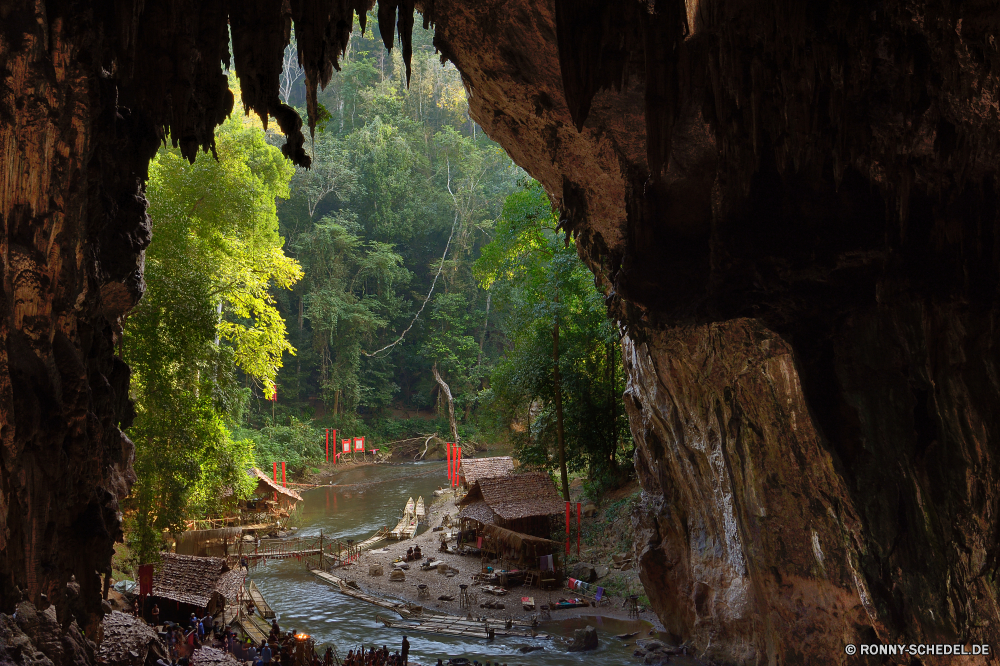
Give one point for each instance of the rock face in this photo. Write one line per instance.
(793, 210)
(808, 287)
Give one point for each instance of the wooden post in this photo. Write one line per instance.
(321, 541)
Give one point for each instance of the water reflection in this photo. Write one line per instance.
(363, 500)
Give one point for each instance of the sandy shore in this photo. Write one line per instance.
(441, 585)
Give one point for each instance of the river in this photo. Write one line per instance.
(362, 500)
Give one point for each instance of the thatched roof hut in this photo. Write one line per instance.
(125, 634)
(474, 469)
(519, 502)
(265, 486)
(189, 580)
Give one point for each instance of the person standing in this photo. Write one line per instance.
(265, 653)
(156, 615)
(406, 651)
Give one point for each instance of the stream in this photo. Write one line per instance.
(362, 500)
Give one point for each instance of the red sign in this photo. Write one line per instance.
(359, 443)
(346, 443)
(145, 579)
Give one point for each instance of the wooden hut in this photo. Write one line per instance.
(522, 549)
(474, 469)
(518, 502)
(185, 584)
(269, 506)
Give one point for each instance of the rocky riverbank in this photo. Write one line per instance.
(462, 569)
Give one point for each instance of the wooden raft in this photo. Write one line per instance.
(455, 626)
(407, 525)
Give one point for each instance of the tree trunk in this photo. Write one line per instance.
(559, 410)
(451, 403)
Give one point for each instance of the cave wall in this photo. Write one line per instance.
(792, 209)
(790, 206)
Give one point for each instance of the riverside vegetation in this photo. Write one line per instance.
(413, 265)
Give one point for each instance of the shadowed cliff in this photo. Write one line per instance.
(791, 206)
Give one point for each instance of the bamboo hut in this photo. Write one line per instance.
(185, 584)
(523, 549)
(474, 469)
(518, 502)
(269, 506)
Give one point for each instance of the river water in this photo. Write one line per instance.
(362, 500)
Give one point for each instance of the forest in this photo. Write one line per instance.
(412, 262)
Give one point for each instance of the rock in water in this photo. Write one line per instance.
(584, 639)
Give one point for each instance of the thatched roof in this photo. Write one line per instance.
(209, 656)
(477, 468)
(188, 579)
(124, 633)
(517, 495)
(517, 539)
(229, 584)
(478, 511)
(272, 486)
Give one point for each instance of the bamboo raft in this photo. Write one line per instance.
(381, 535)
(420, 512)
(404, 608)
(448, 625)
(251, 626)
(407, 525)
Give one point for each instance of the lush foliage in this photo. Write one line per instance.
(412, 242)
(538, 280)
(206, 326)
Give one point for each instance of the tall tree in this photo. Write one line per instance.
(208, 316)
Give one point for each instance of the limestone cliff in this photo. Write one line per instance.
(792, 207)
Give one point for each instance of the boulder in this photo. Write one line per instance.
(583, 571)
(375, 570)
(397, 575)
(601, 571)
(590, 510)
(584, 639)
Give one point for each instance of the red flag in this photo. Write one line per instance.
(145, 579)
(448, 455)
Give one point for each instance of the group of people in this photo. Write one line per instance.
(413, 554)
(379, 656)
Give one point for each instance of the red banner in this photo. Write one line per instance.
(283, 474)
(448, 454)
(328, 443)
(458, 464)
(145, 579)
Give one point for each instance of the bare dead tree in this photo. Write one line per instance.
(291, 71)
(446, 390)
